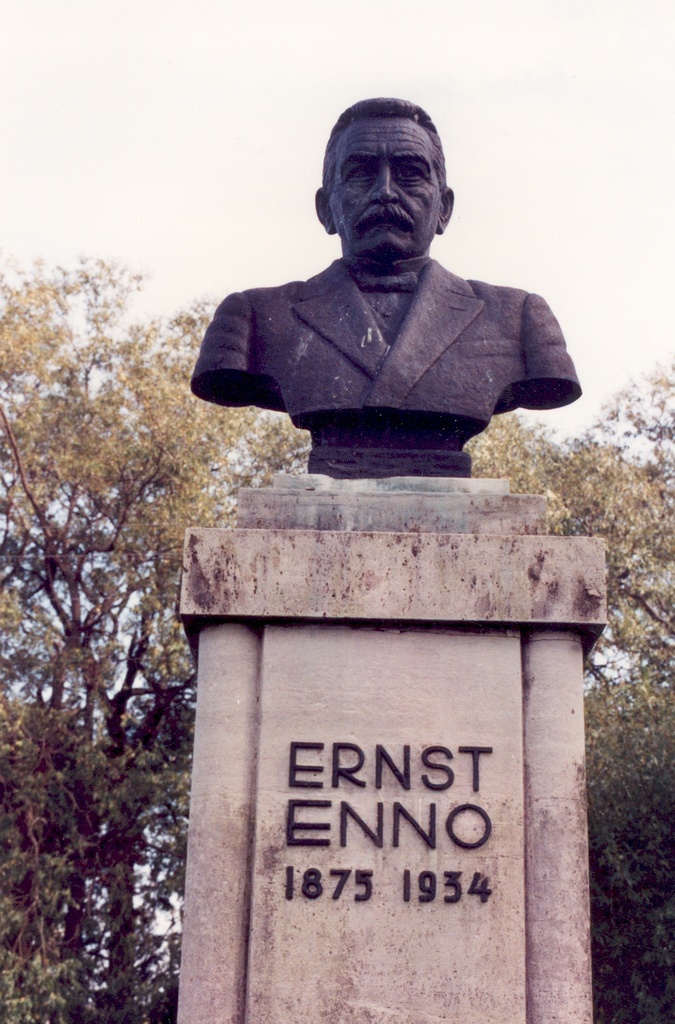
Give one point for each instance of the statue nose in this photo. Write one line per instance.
(384, 191)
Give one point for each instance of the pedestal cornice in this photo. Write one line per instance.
(528, 581)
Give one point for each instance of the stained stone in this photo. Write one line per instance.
(387, 818)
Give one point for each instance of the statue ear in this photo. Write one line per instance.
(447, 203)
(323, 211)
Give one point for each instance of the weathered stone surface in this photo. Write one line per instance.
(425, 640)
(397, 504)
(222, 807)
(398, 512)
(419, 484)
(558, 919)
(317, 574)
(383, 959)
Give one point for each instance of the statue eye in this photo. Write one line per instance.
(411, 171)
(359, 170)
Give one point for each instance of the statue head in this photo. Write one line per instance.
(384, 188)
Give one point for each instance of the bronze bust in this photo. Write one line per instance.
(390, 361)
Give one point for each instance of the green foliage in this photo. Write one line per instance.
(616, 481)
(105, 458)
(631, 790)
(631, 726)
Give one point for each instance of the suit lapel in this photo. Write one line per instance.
(443, 307)
(334, 309)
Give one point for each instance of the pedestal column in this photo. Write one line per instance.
(216, 924)
(557, 908)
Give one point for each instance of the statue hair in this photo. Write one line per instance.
(382, 107)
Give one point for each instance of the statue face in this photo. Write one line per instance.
(386, 202)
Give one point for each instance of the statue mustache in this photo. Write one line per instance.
(385, 214)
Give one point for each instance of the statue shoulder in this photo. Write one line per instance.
(256, 296)
(524, 311)
(292, 290)
(496, 297)
(497, 293)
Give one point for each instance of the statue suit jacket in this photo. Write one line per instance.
(465, 348)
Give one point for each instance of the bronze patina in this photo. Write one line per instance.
(390, 361)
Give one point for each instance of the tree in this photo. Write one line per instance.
(616, 481)
(105, 458)
(631, 782)
(631, 714)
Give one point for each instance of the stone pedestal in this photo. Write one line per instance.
(387, 820)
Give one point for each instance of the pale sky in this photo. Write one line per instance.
(185, 139)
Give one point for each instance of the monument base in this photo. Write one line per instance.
(387, 819)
